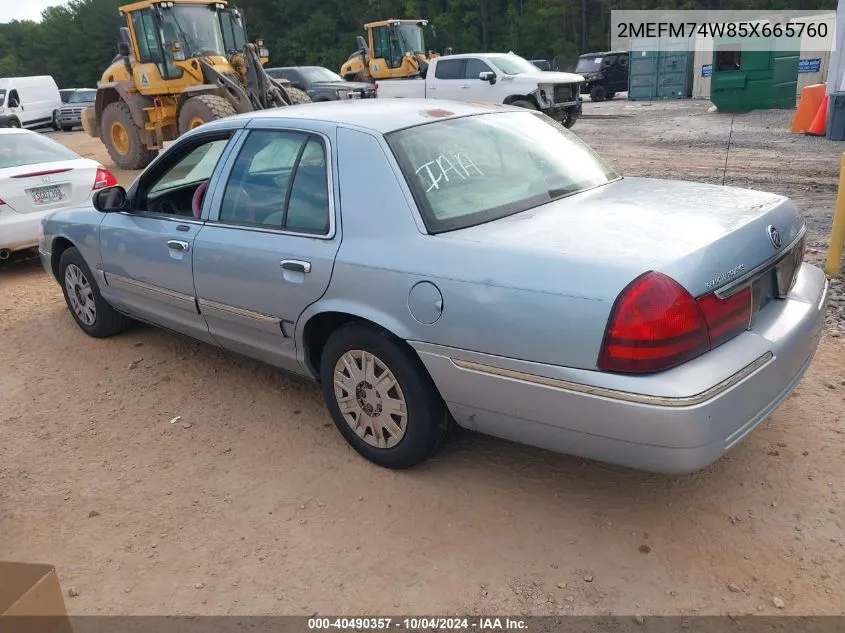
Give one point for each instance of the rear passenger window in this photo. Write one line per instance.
(449, 69)
(308, 203)
(279, 181)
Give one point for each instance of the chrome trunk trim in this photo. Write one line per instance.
(739, 283)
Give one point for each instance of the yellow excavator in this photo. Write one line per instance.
(394, 49)
(180, 63)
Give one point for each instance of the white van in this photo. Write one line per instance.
(29, 101)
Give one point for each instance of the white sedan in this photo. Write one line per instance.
(37, 177)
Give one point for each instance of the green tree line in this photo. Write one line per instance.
(76, 42)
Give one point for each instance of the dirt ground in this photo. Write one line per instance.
(162, 476)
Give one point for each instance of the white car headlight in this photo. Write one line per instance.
(343, 94)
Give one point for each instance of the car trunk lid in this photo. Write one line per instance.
(45, 186)
(705, 237)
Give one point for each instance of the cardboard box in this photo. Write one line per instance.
(31, 599)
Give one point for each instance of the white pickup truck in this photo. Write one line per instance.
(493, 77)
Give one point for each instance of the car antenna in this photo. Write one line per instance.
(728, 152)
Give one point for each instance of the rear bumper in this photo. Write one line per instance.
(20, 230)
(651, 424)
(46, 261)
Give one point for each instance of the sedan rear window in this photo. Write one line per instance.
(24, 148)
(475, 169)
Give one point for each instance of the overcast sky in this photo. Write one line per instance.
(24, 9)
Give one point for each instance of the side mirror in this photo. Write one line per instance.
(110, 199)
(123, 49)
(487, 76)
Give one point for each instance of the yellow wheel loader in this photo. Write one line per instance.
(394, 49)
(180, 63)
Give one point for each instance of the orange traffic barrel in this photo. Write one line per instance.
(819, 124)
(808, 107)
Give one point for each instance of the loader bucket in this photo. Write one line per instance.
(89, 122)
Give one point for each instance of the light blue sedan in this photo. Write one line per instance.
(436, 261)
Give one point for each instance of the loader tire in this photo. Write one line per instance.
(122, 138)
(297, 96)
(202, 109)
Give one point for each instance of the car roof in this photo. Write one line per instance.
(15, 130)
(378, 115)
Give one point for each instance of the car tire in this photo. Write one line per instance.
(349, 352)
(13, 122)
(55, 123)
(92, 313)
(524, 103)
(598, 93)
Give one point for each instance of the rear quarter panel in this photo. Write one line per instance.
(493, 302)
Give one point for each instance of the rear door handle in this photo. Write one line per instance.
(296, 266)
(178, 245)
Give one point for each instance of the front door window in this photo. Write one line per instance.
(172, 193)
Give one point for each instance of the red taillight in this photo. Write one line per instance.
(375, 88)
(726, 317)
(656, 324)
(103, 179)
(2, 202)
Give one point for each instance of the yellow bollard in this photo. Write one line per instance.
(837, 234)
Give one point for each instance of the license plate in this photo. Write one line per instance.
(46, 195)
(763, 290)
(786, 269)
(775, 283)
